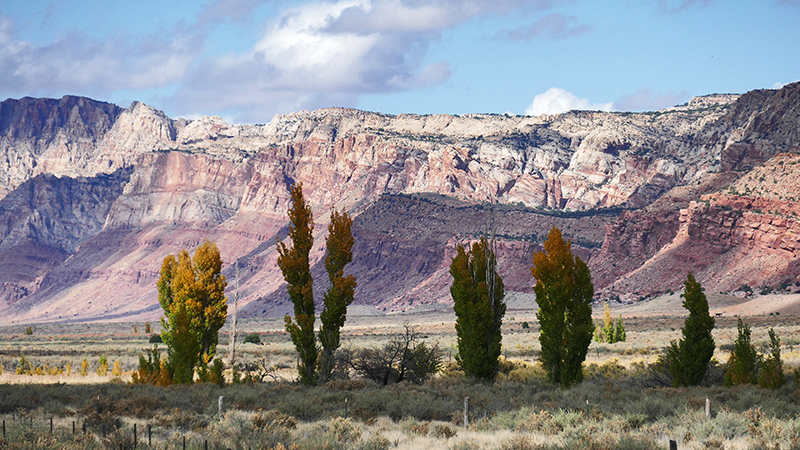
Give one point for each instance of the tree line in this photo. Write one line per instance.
(191, 293)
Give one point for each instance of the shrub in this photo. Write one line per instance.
(156, 339)
(252, 338)
(403, 358)
(443, 431)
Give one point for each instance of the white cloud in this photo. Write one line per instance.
(557, 101)
(77, 65)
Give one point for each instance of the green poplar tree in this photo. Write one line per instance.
(688, 359)
(771, 373)
(341, 291)
(478, 293)
(619, 330)
(564, 293)
(743, 361)
(294, 263)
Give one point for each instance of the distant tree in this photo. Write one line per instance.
(294, 263)
(770, 374)
(743, 361)
(252, 338)
(340, 293)
(564, 293)
(688, 359)
(192, 293)
(598, 332)
(478, 293)
(102, 366)
(156, 339)
(619, 330)
(608, 324)
(147, 328)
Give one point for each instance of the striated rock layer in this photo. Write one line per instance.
(93, 196)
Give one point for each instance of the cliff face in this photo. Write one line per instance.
(101, 194)
(747, 233)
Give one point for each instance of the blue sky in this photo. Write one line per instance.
(247, 60)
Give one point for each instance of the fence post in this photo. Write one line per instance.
(345, 407)
(73, 428)
(708, 408)
(673, 445)
(4, 428)
(149, 436)
(184, 442)
(134, 436)
(220, 407)
(51, 425)
(466, 412)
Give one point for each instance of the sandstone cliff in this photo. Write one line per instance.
(418, 185)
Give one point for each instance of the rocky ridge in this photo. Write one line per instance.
(175, 182)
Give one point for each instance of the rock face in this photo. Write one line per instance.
(94, 196)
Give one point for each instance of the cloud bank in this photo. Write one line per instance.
(557, 101)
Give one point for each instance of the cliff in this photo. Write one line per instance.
(96, 195)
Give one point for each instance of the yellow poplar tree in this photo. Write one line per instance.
(564, 293)
(191, 290)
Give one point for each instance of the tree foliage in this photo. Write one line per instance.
(688, 359)
(341, 291)
(564, 293)
(770, 374)
(619, 330)
(191, 290)
(743, 360)
(478, 293)
(294, 263)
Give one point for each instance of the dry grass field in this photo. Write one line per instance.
(622, 404)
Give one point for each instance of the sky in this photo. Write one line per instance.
(248, 60)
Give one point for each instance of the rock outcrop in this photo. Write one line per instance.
(418, 186)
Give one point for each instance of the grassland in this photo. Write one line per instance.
(622, 404)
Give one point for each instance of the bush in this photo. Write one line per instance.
(401, 359)
(252, 338)
(156, 339)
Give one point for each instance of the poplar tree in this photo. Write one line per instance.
(688, 359)
(341, 291)
(294, 263)
(478, 293)
(743, 361)
(192, 293)
(770, 374)
(564, 293)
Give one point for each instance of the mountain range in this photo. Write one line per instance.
(93, 197)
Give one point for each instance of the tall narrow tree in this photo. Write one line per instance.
(564, 293)
(192, 293)
(688, 359)
(340, 293)
(743, 360)
(478, 293)
(294, 263)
